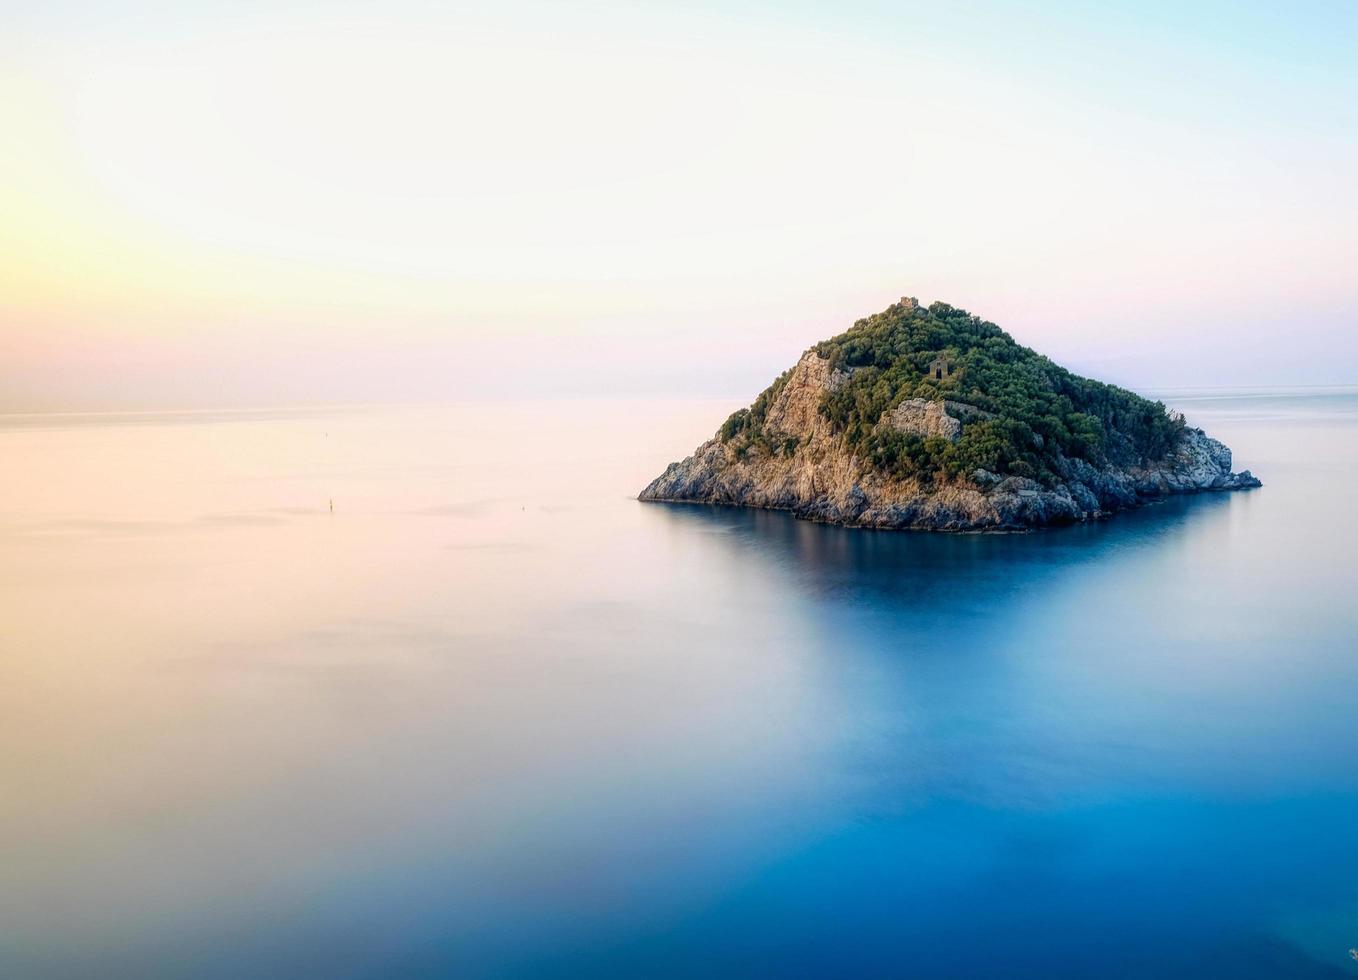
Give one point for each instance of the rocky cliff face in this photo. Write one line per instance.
(810, 472)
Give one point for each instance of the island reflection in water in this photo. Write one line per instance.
(494, 717)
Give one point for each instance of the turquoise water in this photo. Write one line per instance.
(492, 717)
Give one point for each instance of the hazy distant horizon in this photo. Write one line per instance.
(262, 410)
(317, 380)
(235, 205)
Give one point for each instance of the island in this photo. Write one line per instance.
(931, 418)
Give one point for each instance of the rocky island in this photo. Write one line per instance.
(934, 419)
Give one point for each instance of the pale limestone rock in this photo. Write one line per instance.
(924, 418)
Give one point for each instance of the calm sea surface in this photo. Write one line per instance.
(492, 717)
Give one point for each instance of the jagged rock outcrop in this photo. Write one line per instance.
(802, 463)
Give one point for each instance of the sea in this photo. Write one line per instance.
(422, 691)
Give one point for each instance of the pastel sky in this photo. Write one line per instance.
(237, 203)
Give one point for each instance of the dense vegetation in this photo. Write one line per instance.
(1040, 410)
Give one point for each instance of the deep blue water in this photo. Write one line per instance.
(492, 717)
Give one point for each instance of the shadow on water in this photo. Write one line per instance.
(1020, 724)
(911, 570)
